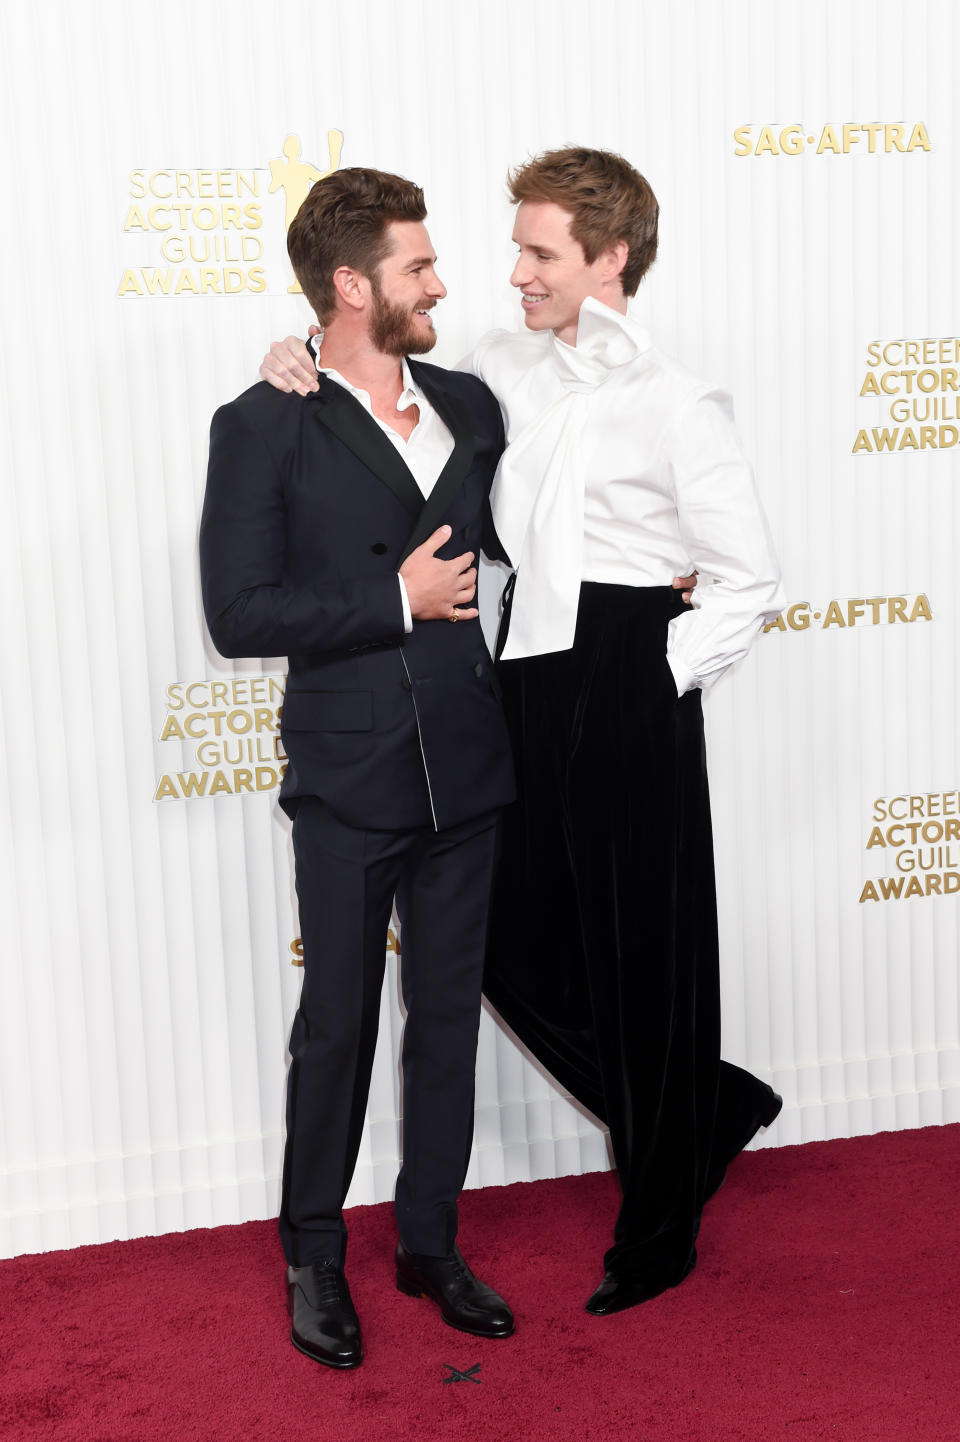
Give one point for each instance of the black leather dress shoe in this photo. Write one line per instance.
(616, 1294)
(765, 1118)
(325, 1325)
(464, 1301)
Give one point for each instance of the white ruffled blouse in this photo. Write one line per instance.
(622, 468)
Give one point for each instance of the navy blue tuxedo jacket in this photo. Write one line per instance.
(308, 514)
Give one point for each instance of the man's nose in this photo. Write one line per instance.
(436, 287)
(521, 273)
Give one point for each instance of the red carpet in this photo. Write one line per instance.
(825, 1305)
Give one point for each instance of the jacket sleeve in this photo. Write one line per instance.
(490, 544)
(250, 606)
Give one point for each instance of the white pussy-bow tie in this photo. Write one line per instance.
(538, 492)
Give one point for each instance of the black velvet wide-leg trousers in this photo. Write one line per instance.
(603, 943)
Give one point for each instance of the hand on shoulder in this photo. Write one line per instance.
(289, 366)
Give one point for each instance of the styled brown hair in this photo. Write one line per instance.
(608, 199)
(343, 221)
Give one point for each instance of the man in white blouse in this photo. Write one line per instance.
(621, 472)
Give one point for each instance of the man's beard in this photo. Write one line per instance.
(393, 329)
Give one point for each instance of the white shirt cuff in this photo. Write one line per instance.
(407, 617)
(684, 678)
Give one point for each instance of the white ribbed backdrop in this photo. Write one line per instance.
(147, 985)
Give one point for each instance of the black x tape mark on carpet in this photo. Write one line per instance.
(457, 1376)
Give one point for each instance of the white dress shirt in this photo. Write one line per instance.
(622, 468)
(425, 451)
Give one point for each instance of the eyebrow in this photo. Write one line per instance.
(421, 260)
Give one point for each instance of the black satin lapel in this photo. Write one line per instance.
(343, 414)
(454, 473)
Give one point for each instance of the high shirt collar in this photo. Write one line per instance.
(606, 339)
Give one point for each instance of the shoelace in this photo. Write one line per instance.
(330, 1287)
(460, 1272)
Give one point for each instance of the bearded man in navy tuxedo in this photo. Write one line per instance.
(340, 529)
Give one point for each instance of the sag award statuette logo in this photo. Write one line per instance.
(202, 232)
(295, 176)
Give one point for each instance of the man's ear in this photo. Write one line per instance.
(352, 288)
(613, 260)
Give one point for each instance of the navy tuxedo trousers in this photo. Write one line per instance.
(347, 879)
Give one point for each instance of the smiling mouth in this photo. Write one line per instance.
(425, 312)
(531, 300)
